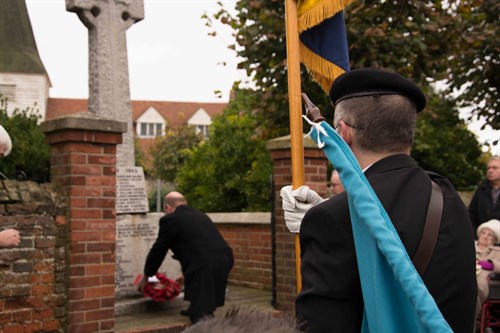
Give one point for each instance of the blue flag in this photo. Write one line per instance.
(323, 39)
(395, 297)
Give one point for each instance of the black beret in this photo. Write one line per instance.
(373, 82)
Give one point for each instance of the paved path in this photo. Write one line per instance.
(143, 315)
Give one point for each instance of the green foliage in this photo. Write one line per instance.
(261, 46)
(444, 145)
(171, 151)
(231, 171)
(417, 38)
(164, 188)
(431, 40)
(410, 37)
(30, 155)
(140, 156)
(475, 69)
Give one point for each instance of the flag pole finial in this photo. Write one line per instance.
(313, 113)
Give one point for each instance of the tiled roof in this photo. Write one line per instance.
(175, 113)
(18, 51)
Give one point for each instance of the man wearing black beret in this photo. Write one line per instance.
(375, 114)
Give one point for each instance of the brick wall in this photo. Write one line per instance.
(33, 275)
(251, 246)
(83, 159)
(315, 176)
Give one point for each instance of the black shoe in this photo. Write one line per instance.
(184, 313)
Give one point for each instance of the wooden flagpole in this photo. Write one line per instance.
(295, 101)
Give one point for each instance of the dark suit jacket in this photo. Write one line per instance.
(331, 299)
(206, 259)
(481, 207)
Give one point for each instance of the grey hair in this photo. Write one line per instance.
(5, 141)
(384, 123)
(494, 158)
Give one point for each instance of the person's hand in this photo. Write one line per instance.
(180, 280)
(296, 203)
(486, 265)
(142, 283)
(9, 237)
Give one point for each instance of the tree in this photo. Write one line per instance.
(475, 70)
(460, 161)
(171, 151)
(30, 155)
(231, 171)
(261, 44)
(413, 37)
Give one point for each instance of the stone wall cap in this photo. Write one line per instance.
(84, 121)
(243, 218)
(283, 142)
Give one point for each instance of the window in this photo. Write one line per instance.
(203, 129)
(8, 91)
(150, 129)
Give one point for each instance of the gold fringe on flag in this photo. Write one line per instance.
(313, 12)
(322, 71)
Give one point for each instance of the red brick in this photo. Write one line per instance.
(40, 290)
(51, 325)
(100, 203)
(102, 159)
(22, 316)
(82, 305)
(107, 279)
(76, 317)
(109, 171)
(86, 170)
(99, 314)
(108, 302)
(108, 236)
(61, 220)
(78, 202)
(85, 213)
(83, 282)
(101, 225)
(82, 236)
(76, 180)
(79, 259)
(101, 246)
(76, 294)
(100, 269)
(42, 315)
(100, 181)
(107, 325)
(84, 328)
(85, 191)
(15, 328)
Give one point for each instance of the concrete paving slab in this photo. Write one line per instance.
(141, 315)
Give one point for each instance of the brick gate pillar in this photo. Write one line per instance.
(83, 159)
(315, 176)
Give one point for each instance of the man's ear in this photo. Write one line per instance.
(345, 131)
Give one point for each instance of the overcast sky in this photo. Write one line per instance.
(170, 55)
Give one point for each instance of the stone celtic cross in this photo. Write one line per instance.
(109, 90)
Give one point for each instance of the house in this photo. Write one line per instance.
(25, 83)
(23, 78)
(150, 118)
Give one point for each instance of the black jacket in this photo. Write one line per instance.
(481, 208)
(331, 299)
(206, 259)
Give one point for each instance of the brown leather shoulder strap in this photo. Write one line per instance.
(431, 229)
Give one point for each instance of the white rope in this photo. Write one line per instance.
(319, 129)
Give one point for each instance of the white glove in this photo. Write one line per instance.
(296, 203)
